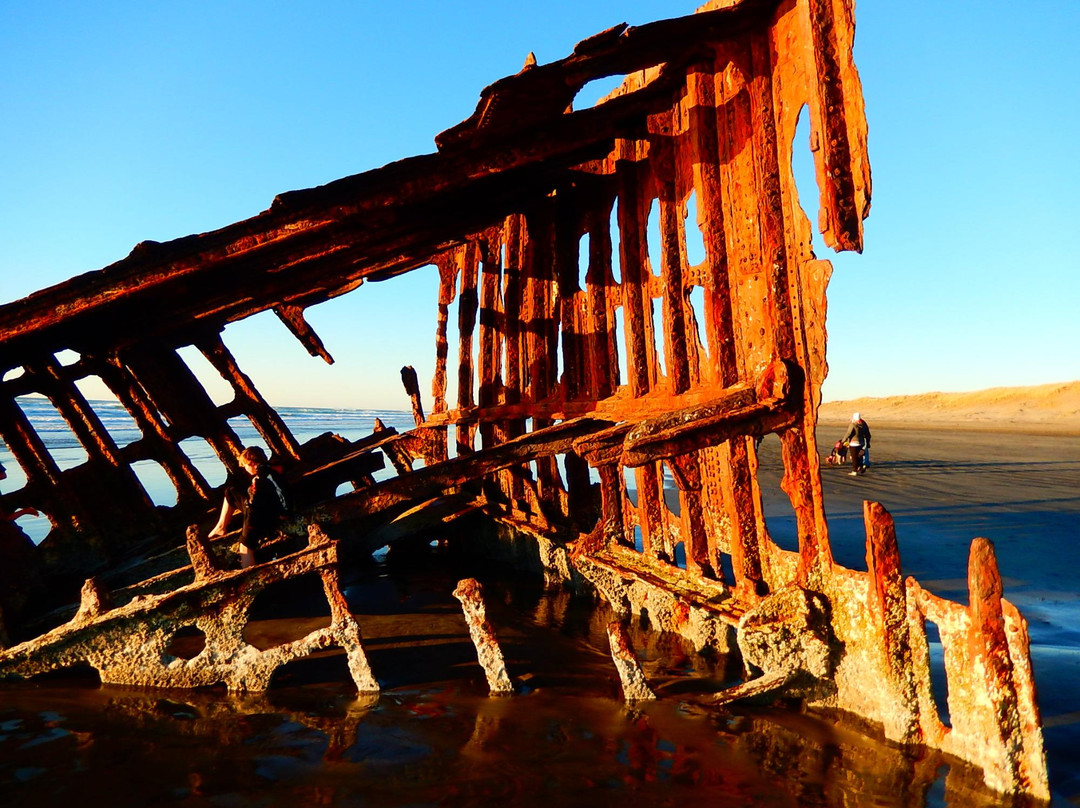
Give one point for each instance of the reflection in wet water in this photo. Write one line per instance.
(433, 737)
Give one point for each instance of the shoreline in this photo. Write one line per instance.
(1045, 429)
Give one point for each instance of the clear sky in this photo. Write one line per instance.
(124, 121)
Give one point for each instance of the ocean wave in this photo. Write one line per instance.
(68, 451)
(304, 422)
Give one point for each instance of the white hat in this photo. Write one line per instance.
(855, 416)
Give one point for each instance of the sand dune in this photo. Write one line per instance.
(1046, 408)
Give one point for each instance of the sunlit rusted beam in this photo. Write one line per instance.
(412, 390)
(448, 269)
(492, 329)
(888, 608)
(189, 481)
(468, 258)
(181, 398)
(269, 424)
(381, 500)
(293, 318)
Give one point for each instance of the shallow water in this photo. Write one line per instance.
(434, 737)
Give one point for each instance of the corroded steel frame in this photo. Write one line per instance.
(599, 369)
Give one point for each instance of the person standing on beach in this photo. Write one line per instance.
(858, 440)
(263, 503)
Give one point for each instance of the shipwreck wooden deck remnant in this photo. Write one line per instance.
(637, 304)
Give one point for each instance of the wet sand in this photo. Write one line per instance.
(433, 737)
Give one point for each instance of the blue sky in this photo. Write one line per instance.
(123, 121)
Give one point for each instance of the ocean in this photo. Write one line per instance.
(304, 422)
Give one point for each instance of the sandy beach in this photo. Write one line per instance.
(1052, 409)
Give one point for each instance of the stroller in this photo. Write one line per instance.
(839, 454)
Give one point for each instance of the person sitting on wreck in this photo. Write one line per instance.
(263, 500)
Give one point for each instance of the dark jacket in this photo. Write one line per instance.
(267, 504)
(860, 430)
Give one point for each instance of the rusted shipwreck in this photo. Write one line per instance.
(591, 377)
